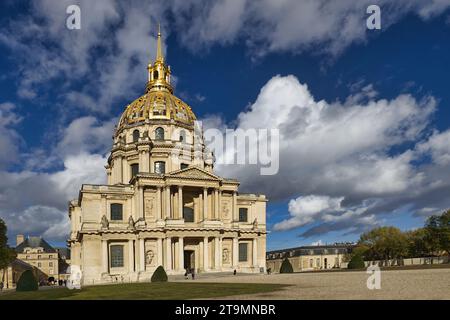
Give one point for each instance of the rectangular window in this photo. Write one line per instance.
(184, 166)
(39, 265)
(116, 211)
(318, 262)
(243, 252)
(243, 215)
(160, 167)
(116, 256)
(134, 170)
(50, 264)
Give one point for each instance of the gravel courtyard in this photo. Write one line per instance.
(395, 284)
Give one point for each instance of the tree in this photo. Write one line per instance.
(7, 255)
(27, 282)
(357, 262)
(438, 232)
(384, 243)
(359, 249)
(420, 244)
(159, 275)
(286, 266)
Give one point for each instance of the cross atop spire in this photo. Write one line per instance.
(159, 54)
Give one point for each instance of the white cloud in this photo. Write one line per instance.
(356, 154)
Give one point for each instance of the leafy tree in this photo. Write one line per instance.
(357, 262)
(384, 243)
(27, 282)
(360, 249)
(420, 244)
(286, 266)
(159, 275)
(6, 253)
(438, 232)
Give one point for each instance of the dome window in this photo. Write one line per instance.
(182, 136)
(159, 133)
(155, 75)
(136, 136)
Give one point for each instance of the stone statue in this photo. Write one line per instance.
(225, 255)
(149, 257)
(131, 222)
(104, 222)
(255, 223)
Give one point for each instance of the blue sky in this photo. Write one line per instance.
(364, 115)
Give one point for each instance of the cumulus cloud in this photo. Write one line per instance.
(343, 164)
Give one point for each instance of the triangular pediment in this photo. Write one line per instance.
(193, 173)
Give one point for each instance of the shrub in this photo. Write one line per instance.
(159, 275)
(27, 282)
(357, 262)
(286, 266)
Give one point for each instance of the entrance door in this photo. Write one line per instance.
(325, 262)
(189, 259)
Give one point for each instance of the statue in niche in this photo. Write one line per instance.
(105, 222)
(149, 256)
(225, 256)
(255, 223)
(225, 209)
(131, 222)
(149, 206)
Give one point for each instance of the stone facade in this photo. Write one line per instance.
(163, 204)
(36, 252)
(310, 258)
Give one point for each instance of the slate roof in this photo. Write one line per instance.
(35, 242)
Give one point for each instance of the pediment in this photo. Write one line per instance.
(193, 173)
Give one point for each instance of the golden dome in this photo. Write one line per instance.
(158, 103)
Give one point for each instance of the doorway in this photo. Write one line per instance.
(189, 260)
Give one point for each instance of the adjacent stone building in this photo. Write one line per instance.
(36, 252)
(163, 203)
(310, 258)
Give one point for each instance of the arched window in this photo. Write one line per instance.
(136, 135)
(159, 133)
(155, 75)
(182, 136)
(160, 167)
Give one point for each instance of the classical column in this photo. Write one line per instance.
(235, 252)
(141, 255)
(158, 204)
(235, 209)
(169, 253)
(220, 252)
(255, 252)
(104, 256)
(181, 253)
(168, 214)
(131, 255)
(216, 254)
(141, 202)
(205, 254)
(216, 204)
(159, 247)
(205, 203)
(180, 202)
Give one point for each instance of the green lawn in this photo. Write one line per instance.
(144, 291)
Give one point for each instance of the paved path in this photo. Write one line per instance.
(395, 284)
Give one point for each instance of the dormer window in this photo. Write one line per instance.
(159, 133)
(135, 136)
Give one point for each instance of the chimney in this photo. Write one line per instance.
(19, 239)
